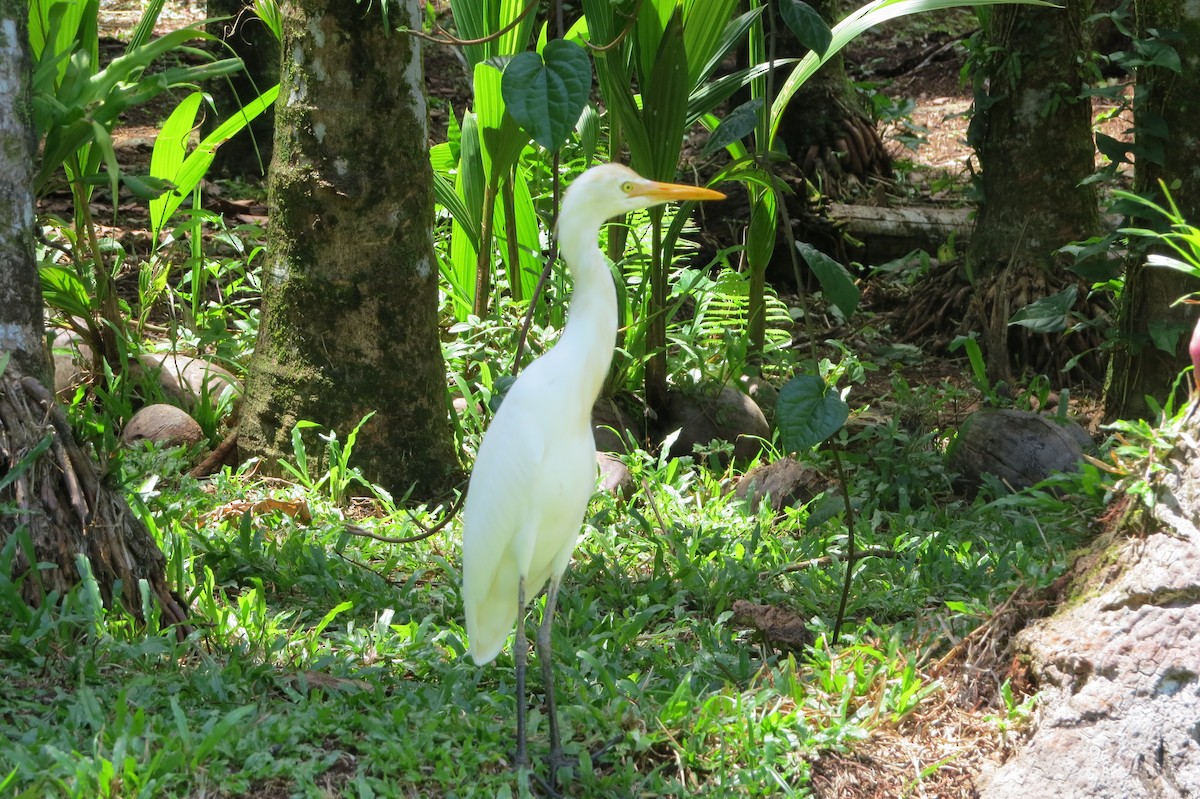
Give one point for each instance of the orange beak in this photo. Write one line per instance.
(667, 192)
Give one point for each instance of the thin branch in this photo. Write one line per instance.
(604, 48)
(828, 560)
(426, 532)
(442, 36)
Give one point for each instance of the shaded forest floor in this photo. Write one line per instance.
(941, 748)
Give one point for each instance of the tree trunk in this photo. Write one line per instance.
(826, 128)
(1165, 101)
(349, 319)
(53, 507)
(1032, 133)
(251, 41)
(21, 331)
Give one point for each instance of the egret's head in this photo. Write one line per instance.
(610, 190)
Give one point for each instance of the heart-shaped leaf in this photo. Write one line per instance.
(835, 281)
(546, 93)
(1049, 314)
(806, 24)
(807, 412)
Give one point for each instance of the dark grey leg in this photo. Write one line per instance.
(546, 657)
(521, 655)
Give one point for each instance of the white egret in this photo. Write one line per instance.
(536, 468)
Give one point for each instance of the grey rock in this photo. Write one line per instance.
(1120, 670)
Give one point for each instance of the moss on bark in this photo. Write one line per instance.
(21, 328)
(349, 321)
(1165, 101)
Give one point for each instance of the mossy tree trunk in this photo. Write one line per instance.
(21, 329)
(1165, 101)
(1032, 134)
(349, 319)
(248, 153)
(53, 501)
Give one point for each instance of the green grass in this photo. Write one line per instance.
(325, 664)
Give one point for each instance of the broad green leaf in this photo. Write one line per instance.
(529, 266)
(187, 172)
(732, 37)
(516, 39)
(761, 234)
(469, 185)
(63, 289)
(447, 197)
(1114, 150)
(737, 125)
(807, 413)
(588, 129)
(664, 105)
(501, 137)
(806, 25)
(546, 94)
(170, 148)
(715, 92)
(1166, 334)
(836, 282)
(471, 19)
(1049, 314)
(704, 26)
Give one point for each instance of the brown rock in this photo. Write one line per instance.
(187, 380)
(1018, 447)
(728, 416)
(785, 481)
(164, 424)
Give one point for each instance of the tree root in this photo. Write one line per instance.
(61, 503)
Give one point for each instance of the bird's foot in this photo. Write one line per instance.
(555, 762)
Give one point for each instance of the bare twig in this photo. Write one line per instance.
(604, 48)
(426, 532)
(212, 463)
(442, 36)
(828, 560)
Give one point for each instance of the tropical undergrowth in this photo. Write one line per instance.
(325, 663)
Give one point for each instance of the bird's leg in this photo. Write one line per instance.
(546, 657)
(521, 655)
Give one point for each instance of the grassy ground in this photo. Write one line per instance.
(327, 664)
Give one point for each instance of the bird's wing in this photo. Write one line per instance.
(499, 504)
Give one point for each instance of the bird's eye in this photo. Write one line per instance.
(627, 186)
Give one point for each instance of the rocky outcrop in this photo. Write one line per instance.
(1119, 668)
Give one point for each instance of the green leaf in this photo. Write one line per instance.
(737, 125)
(170, 148)
(664, 105)
(761, 234)
(836, 282)
(807, 413)
(1049, 314)
(546, 94)
(1166, 334)
(62, 289)
(187, 172)
(1114, 150)
(501, 137)
(705, 28)
(807, 25)
(588, 129)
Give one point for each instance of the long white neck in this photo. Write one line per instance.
(591, 331)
